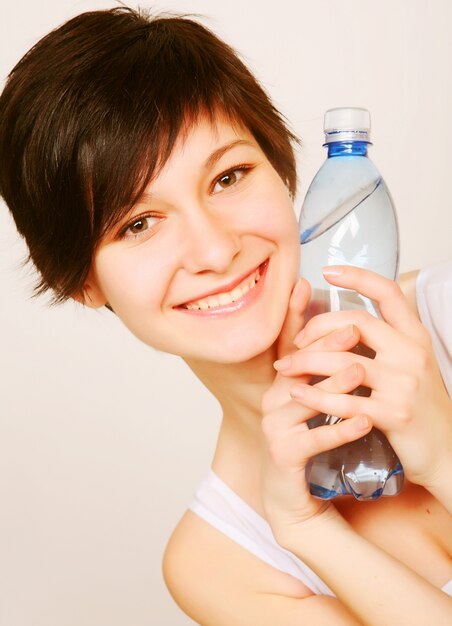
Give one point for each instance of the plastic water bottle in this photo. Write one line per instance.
(348, 218)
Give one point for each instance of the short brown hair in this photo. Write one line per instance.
(91, 113)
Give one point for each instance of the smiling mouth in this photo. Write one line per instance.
(225, 298)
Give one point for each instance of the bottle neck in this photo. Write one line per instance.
(347, 148)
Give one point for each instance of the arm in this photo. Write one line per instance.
(218, 583)
(377, 588)
(407, 402)
(440, 488)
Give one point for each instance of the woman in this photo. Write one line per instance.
(148, 172)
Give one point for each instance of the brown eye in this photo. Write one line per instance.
(231, 178)
(227, 180)
(139, 226)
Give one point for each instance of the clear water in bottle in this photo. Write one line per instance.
(348, 218)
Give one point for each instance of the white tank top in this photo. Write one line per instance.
(221, 507)
(434, 303)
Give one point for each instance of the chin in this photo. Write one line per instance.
(244, 350)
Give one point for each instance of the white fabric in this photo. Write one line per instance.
(221, 507)
(434, 302)
(447, 588)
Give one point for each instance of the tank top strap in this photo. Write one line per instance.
(223, 509)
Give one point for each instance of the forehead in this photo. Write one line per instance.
(201, 144)
(208, 132)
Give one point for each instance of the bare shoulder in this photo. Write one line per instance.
(201, 565)
(218, 583)
(407, 283)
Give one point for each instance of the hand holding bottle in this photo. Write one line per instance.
(290, 443)
(360, 573)
(408, 401)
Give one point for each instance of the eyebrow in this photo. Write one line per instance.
(217, 154)
(209, 162)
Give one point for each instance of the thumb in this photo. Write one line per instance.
(294, 321)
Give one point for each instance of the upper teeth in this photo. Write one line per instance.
(220, 299)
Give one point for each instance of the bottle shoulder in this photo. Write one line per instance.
(342, 184)
(348, 164)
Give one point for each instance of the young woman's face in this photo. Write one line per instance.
(204, 265)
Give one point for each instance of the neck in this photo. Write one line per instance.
(239, 388)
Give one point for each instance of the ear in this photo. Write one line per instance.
(91, 294)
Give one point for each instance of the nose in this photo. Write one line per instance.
(211, 244)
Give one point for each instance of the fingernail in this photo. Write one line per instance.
(344, 335)
(299, 338)
(297, 287)
(297, 392)
(283, 364)
(354, 372)
(333, 270)
(362, 423)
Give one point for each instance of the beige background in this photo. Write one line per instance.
(102, 440)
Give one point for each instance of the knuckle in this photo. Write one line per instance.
(333, 436)
(270, 399)
(394, 290)
(362, 318)
(274, 450)
(276, 396)
(363, 315)
(425, 339)
(421, 359)
(267, 425)
(403, 414)
(280, 453)
(410, 383)
(421, 362)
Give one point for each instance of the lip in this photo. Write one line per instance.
(232, 307)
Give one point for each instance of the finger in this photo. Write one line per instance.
(386, 413)
(373, 332)
(316, 363)
(304, 363)
(282, 421)
(294, 320)
(345, 381)
(340, 405)
(386, 293)
(328, 437)
(295, 413)
(344, 338)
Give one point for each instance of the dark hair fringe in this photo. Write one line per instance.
(90, 115)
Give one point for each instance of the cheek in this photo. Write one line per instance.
(133, 279)
(270, 214)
